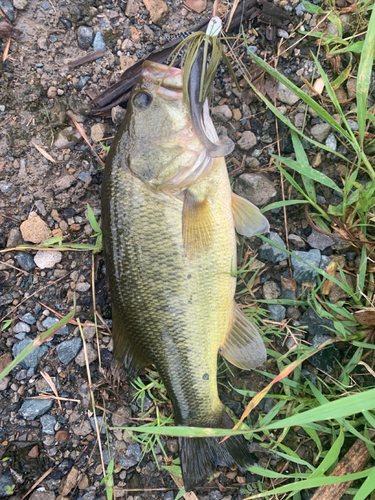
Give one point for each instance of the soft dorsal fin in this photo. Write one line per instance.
(197, 224)
(244, 346)
(247, 217)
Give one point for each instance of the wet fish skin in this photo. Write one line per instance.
(170, 246)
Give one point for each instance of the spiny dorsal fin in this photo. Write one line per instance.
(244, 346)
(247, 217)
(197, 225)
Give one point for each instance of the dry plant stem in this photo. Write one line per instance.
(38, 482)
(83, 134)
(354, 461)
(92, 397)
(29, 297)
(282, 181)
(178, 480)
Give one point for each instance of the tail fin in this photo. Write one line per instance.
(201, 456)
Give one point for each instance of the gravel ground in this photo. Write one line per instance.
(41, 198)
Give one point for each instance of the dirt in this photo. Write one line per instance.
(47, 169)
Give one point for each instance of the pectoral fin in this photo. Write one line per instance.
(197, 225)
(244, 346)
(247, 217)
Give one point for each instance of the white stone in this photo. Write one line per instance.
(47, 259)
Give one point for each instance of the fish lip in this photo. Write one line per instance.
(167, 77)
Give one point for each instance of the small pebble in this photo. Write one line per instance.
(50, 321)
(99, 43)
(331, 142)
(48, 423)
(33, 408)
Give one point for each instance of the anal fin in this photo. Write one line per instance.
(244, 346)
(197, 224)
(247, 217)
(128, 355)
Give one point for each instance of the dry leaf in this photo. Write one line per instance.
(366, 317)
(331, 270)
(50, 382)
(288, 283)
(319, 85)
(44, 153)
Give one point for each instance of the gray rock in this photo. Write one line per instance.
(270, 253)
(320, 241)
(296, 240)
(147, 403)
(337, 293)
(331, 142)
(48, 423)
(6, 483)
(85, 36)
(320, 131)
(32, 360)
(247, 141)
(300, 9)
(101, 424)
(285, 95)
(67, 138)
(353, 125)
(222, 113)
(215, 495)
(8, 9)
(28, 318)
(301, 271)
(325, 262)
(325, 360)
(43, 495)
(271, 290)
(277, 312)
(118, 114)
(50, 321)
(6, 188)
(132, 456)
(99, 43)
(332, 29)
(33, 408)
(26, 261)
(316, 325)
(68, 350)
(21, 327)
(20, 4)
(310, 376)
(83, 176)
(14, 238)
(5, 299)
(255, 188)
(169, 496)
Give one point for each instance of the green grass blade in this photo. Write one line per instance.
(94, 224)
(309, 172)
(312, 483)
(304, 164)
(367, 487)
(330, 458)
(361, 276)
(37, 342)
(346, 406)
(279, 204)
(364, 76)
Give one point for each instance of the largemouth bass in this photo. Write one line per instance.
(168, 219)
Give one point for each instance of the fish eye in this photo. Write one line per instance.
(142, 100)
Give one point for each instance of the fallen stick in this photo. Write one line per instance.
(354, 461)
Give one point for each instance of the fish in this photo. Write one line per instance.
(169, 223)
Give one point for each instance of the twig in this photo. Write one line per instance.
(86, 59)
(83, 134)
(354, 461)
(38, 482)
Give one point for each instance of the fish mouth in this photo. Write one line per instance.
(165, 77)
